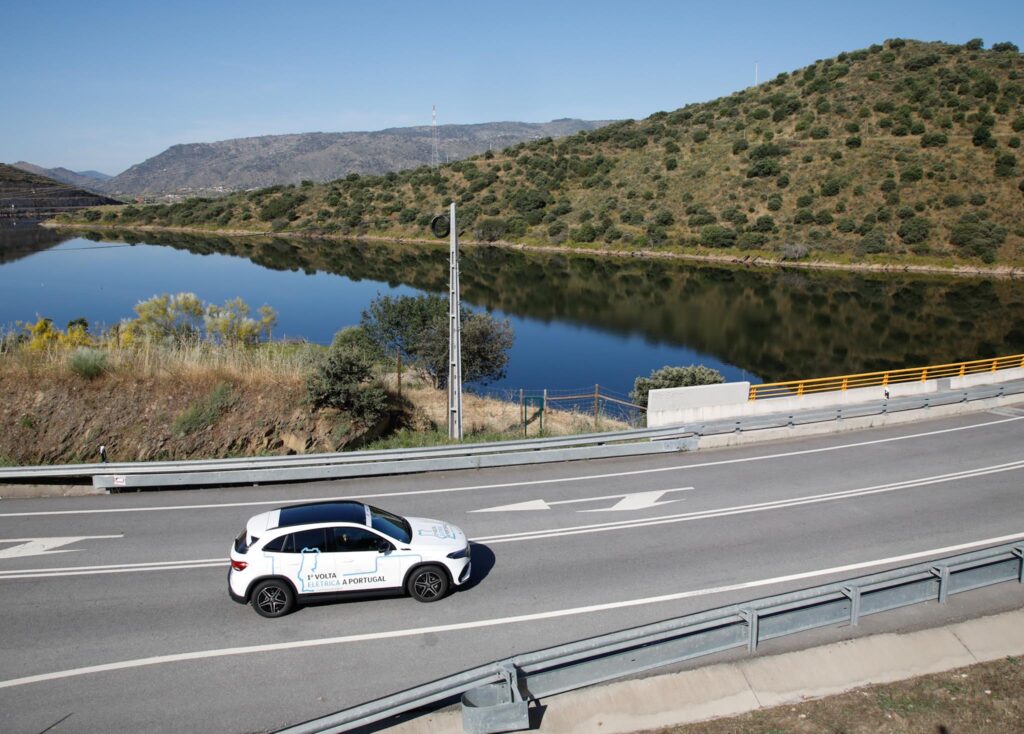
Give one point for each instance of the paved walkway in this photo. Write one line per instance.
(729, 689)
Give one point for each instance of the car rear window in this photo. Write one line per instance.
(242, 542)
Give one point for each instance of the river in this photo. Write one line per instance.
(578, 320)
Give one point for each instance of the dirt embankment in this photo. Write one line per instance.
(55, 419)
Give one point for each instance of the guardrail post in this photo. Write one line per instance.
(497, 707)
(853, 593)
(1019, 552)
(750, 616)
(942, 572)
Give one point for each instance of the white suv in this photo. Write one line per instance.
(325, 550)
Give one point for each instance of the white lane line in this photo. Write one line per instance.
(112, 568)
(572, 530)
(493, 622)
(504, 485)
(744, 509)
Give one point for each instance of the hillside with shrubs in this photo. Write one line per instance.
(902, 152)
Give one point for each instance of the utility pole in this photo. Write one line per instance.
(454, 334)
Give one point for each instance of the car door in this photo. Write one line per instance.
(363, 559)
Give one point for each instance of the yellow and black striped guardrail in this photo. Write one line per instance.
(796, 388)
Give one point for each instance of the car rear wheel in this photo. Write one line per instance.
(273, 598)
(428, 583)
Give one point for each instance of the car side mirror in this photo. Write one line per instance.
(384, 547)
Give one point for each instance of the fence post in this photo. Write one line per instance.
(398, 352)
(522, 411)
(597, 396)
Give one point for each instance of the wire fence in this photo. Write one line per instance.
(599, 406)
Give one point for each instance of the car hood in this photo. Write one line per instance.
(435, 534)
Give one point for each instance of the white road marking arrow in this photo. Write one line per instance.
(627, 501)
(44, 546)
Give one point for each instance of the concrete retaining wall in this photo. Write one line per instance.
(698, 404)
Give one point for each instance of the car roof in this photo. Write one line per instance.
(314, 512)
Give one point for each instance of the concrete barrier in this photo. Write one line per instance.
(702, 403)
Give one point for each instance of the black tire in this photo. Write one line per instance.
(427, 583)
(273, 598)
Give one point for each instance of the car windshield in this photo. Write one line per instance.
(390, 524)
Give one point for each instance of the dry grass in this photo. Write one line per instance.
(985, 698)
(272, 362)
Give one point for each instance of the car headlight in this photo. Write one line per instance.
(461, 553)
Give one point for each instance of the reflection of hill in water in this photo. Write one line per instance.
(780, 324)
(24, 239)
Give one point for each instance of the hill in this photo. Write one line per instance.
(25, 195)
(87, 180)
(902, 152)
(246, 163)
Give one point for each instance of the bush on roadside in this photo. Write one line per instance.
(342, 378)
(673, 377)
(88, 363)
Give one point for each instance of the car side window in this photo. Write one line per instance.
(277, 544)
(309, 540)
(352, 540)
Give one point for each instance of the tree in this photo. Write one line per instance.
(231, 324)
(418, 327)
(673, 377)
(167, 317)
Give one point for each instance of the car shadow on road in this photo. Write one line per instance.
(483, 562)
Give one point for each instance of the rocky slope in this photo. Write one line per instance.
(246, 163)
(25, 195)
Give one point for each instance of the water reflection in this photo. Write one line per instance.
(777, 324)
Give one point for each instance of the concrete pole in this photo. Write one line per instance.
(454, 335)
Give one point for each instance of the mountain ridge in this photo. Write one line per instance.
(265, 160)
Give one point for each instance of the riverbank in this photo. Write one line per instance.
(744, 259)
(210, 402)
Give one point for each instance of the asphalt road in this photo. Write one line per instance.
(128, 627)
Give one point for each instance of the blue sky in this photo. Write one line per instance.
(105, 85)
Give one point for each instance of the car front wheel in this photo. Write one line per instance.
(428, 583)
(273, 598)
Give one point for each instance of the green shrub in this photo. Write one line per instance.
(668, 377)
(803, 216)
(846, 225)
(490, 229)
(914, 230)
(977, 236)
(911, 174)
(873, 242)
(953, 200)
(1005, 46)
(819, 133)
(853, 141)
(342, 379)
(764, 224)
(91, 215)
(831, 187)
(1006, 165)
(699, 136)
(715, 235)
(750, 240)
(804, 200)
(978, 200)
(934, 140)
(88, 363)
(823, 217)
(204, 412)
(975, 44)
(774, 203)
(739, 146)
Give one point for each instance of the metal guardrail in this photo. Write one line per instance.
(796, 388)
(636, 442)
(495, 696)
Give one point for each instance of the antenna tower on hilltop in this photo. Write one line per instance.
(434, 156)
